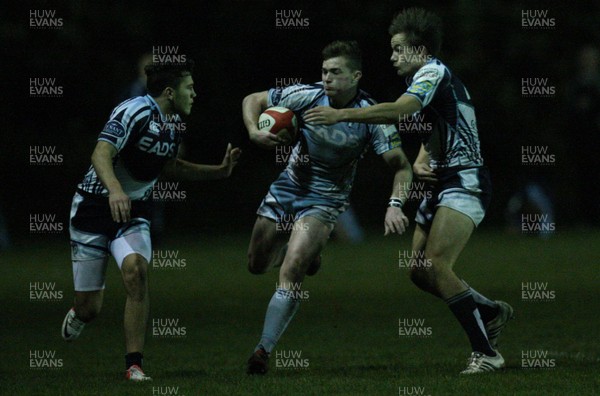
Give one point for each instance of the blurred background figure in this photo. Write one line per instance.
(138, 86)
(531, 198)
(583, 104)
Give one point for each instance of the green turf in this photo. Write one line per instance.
(348, 328)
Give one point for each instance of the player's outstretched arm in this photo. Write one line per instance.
(421, 167)
(102, 160)
(395, 220)
(252, 106)
(184, 170)
(382, 113)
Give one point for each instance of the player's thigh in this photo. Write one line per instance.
(419, 239)
(89, 258)
(448, 236)
(308, 238)
(133, 241)
(134, 262)
(265, 238)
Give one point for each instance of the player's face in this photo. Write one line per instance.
(183, 96)
(337, 77)
(406, 58)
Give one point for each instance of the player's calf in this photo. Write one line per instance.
(421, 277)
(88, 305)
(437, 277)
(292, 272)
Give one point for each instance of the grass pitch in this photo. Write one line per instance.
(345, 339)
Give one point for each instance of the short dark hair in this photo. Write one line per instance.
(161, 76)
(348, 49)
(420, 26)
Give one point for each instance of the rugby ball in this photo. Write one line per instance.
(280, 121)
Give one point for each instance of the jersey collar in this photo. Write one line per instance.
(153, 104)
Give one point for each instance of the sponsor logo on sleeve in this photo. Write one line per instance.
(421, 87)
(427, 74)
(154, 127)
(389, 130)
(114, 128)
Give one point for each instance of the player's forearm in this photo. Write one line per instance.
(383, 113)
(423, 156)
(403, 175)
(184, 170)
(252, 106)
(102, 160)
(402, 183)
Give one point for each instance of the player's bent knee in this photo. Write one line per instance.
(256, 264)
(438, 261)
(293, 269)
(421, 277)
(256, 270)
(134, 269)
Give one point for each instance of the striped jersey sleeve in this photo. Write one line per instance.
(126, 120)
(295, 97)
(426, 82)
(384, 137)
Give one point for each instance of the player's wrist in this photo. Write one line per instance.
(223, 171)
(342, 115)
(115, 189)
(395, 202)
(253, 133)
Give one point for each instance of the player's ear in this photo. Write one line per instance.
(168, 92)
(356, 76)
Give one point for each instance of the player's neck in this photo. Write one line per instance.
(343, 99)
(164, 105)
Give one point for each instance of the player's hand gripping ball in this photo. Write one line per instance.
(279, 121)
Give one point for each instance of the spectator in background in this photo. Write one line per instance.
(531, 198)
(138, 86)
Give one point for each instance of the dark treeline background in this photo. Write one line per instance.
(238, 50)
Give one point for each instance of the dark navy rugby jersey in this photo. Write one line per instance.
(145, 140)
(453, 139)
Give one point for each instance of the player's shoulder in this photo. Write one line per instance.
(136, 111)
(307, 89)
(434, 69)
(135, 105)
(364, 99)
(297, 96)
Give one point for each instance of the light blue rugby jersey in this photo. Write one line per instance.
(453, 139)
(333, 150)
